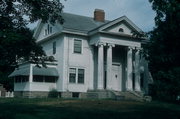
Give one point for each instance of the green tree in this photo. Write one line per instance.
(164, 49)
(16, 39)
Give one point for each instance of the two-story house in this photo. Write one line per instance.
(92, 54)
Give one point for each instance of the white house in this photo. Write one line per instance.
(93, 54)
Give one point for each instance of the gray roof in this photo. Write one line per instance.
(80, 23)
(50, 71)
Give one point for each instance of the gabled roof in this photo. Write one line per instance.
(87, 25)
(80, 23)
(111, 23)
(76, 23)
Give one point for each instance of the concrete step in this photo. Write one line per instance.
(128, 96)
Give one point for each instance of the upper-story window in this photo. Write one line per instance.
(121, 30)
(54, 47)
(77, 46)
(48, 30)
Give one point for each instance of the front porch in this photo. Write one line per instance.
(117, 68)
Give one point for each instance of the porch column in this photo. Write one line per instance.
(109, 65)
(31, 73)
(129, 85)
(137, 72)
(100, 66)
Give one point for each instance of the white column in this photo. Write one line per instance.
(129, 70)
(100, 66)
(31, 73)
(109, 65)
(137, 72)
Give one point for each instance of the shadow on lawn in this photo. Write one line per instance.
(22, 110)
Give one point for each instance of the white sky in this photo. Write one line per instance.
(138, 11)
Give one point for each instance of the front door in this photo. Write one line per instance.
(116, 82)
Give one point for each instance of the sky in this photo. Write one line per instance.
(138, 11)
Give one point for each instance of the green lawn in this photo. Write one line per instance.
(85, 109)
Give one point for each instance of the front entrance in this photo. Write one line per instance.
(116, 81)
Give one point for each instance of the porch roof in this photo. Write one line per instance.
(50, 71)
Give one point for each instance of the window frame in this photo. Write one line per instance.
(76, 52)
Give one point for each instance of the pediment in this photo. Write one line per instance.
(120, 28)
(121, 25)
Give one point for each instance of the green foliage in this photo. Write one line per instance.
(163, 50)
(53, 93)
(16, 41)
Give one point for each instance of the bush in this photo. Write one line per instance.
(53, 93)
(167, 85)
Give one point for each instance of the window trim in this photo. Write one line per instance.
(81, 46)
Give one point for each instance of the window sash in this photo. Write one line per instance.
(80, 75)
(72, 75)
(77, 46)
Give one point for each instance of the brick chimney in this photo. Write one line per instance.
(99, 15)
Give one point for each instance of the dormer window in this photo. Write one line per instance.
(121, 30)
(48, 30)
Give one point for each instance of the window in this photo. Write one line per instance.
(46, 79)
(76, 75)
(77, 46)
(19, 79)
(54, 47)
(45, 32)
(50, 79)
(72, 75)
(37, 78)
(48, 30)
(75, 95)
(121, 30)
(80, 75)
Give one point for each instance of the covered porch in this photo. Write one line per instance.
(117, 64)
(29, 77)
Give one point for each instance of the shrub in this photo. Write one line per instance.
(53, 93)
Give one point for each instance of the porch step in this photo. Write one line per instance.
(128, 95)
(117, 95)
(100, 94)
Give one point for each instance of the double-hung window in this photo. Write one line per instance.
(76, 75)
(77, 46)
(80, 75)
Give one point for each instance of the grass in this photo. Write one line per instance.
(85, 109)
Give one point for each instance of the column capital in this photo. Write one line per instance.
(138, 49)
(111, 45)
(100, 44)
(130, 48)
